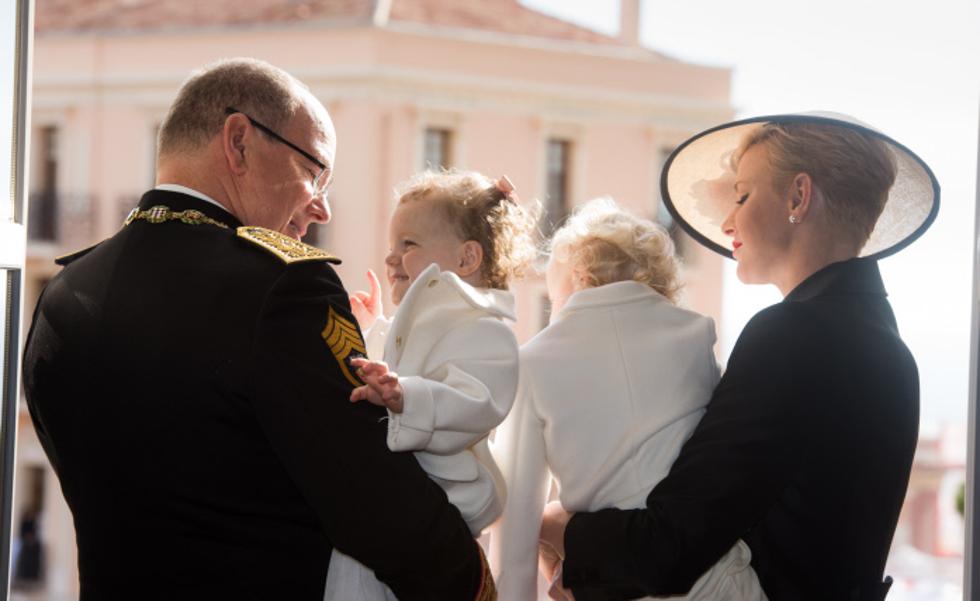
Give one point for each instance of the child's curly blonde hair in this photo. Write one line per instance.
(481, 210)
(607, 244)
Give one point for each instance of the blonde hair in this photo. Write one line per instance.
(480, 211)
(608, 244)
(261, 90)
(854, 170)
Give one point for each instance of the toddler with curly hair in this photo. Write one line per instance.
(450, 365)
(609, 392)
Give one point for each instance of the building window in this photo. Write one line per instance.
(682, 241)
(43, 217)
(316, 235)
(665, 219)
(663, 216)
(437, 148)
(557, 166)
(662, 156)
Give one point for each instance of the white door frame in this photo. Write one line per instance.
(16, 20)
(971, 571)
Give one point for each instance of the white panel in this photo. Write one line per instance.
(15, 39)
(12, 243)
(8, 24)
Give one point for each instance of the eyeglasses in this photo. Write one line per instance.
(319, 181)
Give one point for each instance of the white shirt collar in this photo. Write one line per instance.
(190, 192)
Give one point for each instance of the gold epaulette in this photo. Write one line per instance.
(287, 249)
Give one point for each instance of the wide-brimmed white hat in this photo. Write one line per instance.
(697, 185)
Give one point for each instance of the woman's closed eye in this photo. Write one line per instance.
(742, 199)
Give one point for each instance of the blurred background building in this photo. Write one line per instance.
(566, 112)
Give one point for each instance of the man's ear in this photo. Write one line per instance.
(470, 258)
(800, 199)
(235, 137)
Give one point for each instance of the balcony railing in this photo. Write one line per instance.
(61, 220)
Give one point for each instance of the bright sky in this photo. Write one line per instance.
(910, 69)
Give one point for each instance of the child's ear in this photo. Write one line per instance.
(580, 279)
(470, 258)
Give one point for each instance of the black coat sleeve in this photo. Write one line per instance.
(726, 476)
(375, 505)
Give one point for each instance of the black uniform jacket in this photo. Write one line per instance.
(188, 388)
(804, 452)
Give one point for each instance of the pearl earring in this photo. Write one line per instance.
(793, 219)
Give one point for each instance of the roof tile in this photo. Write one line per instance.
(141, 15)
(505, 16)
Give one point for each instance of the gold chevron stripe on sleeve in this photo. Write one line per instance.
(282, 246)
(344, 341)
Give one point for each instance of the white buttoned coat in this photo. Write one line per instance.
(457, 362)
(609, 392)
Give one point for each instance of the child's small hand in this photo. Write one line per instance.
(558, 592)
(550, 565)
(381, 386)
(366, 306)
(548, 561)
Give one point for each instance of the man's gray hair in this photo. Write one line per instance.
(255, 87)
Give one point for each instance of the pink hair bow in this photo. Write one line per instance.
(507, 188)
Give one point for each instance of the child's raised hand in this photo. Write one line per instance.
(366, 306)
(381, 386)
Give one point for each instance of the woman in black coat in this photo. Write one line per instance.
(806, 447)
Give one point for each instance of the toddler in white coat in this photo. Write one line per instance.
(609, 392)
(449, 372)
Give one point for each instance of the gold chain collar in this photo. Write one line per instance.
(160, 214)
(285, 248)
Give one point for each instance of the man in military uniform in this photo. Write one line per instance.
(189, 378)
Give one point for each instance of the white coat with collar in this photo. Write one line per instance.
(609, 392)
(457, 363)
